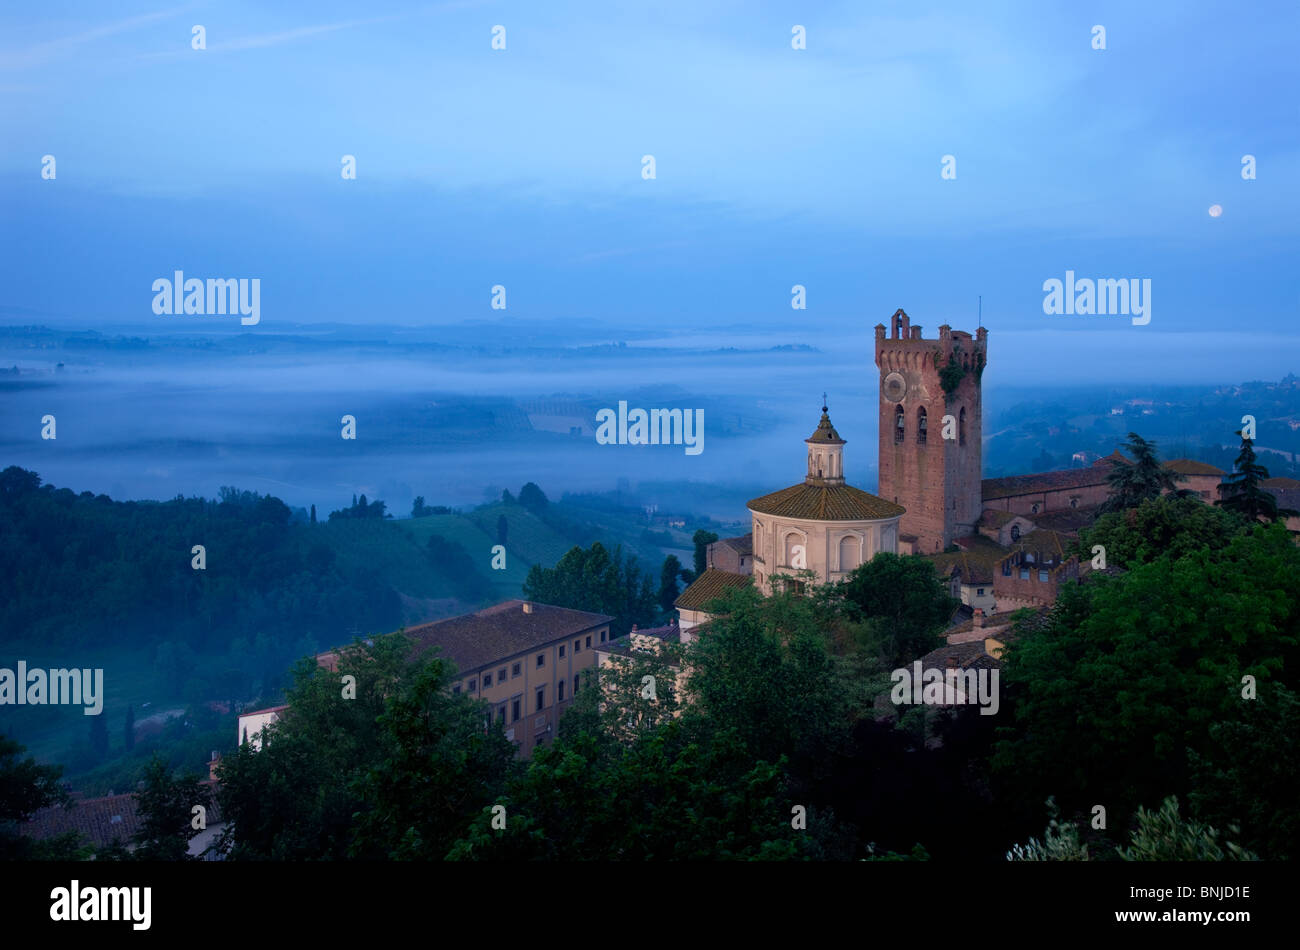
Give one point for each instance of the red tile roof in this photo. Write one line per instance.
(1192, 467)
(742, 545)
(98, 820)
(1045, 481)
(825, 503)
(1280, 482)
(497, 633)
(708, 586)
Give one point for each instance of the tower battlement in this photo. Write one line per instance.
(923, 383)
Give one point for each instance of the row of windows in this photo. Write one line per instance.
(1043, 572)
(517, 668)
(516, 704)
(923, 425)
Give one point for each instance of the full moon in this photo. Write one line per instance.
(1216, 210)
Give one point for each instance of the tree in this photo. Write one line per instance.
(903, 602)
(503, 529)
(361, 508)
(1161, 835)
(323, 743)
(702, 541)
(532, 498)
(593, 580)
(1132, 483)
(313, 514)
(395, 772)
(417, 509)
(99, 736)
(1158, 526)
(166, 806)
(128, 733)
(629, 698)
(671, 797)
(764, 672)
(1166, 836)
(1242, 492)
(453, 562)
(26, 788)
(668, 575)
(1128, 673)
(1247, 774)
(437, 767)
(1060, 842)
(506, 497)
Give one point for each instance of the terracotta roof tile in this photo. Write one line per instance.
(496, 633)
(976, 562)
(708, 586)
(1094, 474)
(743, 545)
(1192, 467)
(825, 503)
(623, 645)
(98, 820)
(968, 655)
(993, 518)
(1280, 482)
(1066, 520)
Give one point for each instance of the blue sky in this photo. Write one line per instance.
(775, 166)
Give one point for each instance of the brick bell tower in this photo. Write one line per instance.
(936, 479)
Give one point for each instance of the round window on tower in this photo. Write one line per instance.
(894, 387)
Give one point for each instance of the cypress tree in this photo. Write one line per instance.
(1132, 483)
(1243, 492)
(99, 735)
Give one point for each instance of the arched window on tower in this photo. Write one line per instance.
(961, 426)
(920, 426)
(1015, 532)
(900, 426)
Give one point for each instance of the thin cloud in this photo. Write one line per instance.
(52, 49)
(263, 40)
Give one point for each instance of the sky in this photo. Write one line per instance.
(523, 167)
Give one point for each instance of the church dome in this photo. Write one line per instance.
(825, 432)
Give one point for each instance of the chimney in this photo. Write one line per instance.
(952, 663)
(979, 617)
(528, 608)
(634, 627)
